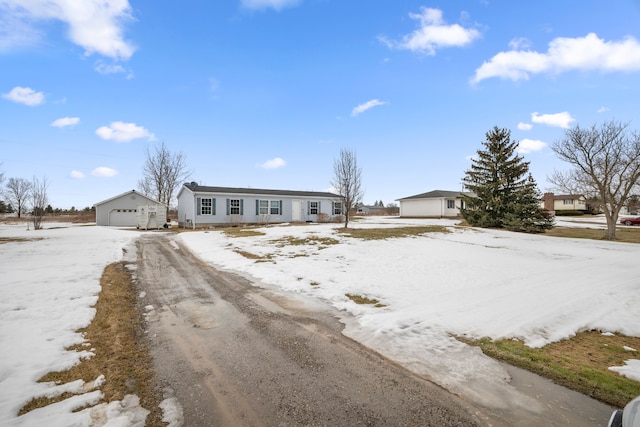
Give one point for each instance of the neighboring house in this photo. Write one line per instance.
(434, 204)
(370, 209)
(129, 209)
(564, 202)
(203, 206)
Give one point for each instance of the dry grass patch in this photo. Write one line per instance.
(242, 232)
(117, 337)
(18, 239)
(257, 258)
(321, 242)
(627, 235)
(580, 363)
(392, 232)
(359, 299)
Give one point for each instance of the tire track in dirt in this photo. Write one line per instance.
(237, 355)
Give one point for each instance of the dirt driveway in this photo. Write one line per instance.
(238, 355)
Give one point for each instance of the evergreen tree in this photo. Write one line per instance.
(504, 192)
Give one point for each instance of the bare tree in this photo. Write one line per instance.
(39, 200)
(347, 181)
(17, 192)
(606, 166)
(163, 172)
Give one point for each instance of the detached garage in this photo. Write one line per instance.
(434, 204)
(127, 209)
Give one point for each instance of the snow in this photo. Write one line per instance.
(468, 282)
(49, 284)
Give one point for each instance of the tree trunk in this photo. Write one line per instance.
(611, 228)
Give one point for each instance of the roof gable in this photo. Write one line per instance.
(126, 193)
(437, 194)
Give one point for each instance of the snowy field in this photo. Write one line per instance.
(468, 282)
(49, 284)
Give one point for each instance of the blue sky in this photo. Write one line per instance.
(265, 93)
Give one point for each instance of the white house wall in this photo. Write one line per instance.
(121, 211)
(189, 214)
(430, 208)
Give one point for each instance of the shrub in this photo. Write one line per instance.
(569, 213)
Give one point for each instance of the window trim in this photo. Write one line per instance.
(312, 208)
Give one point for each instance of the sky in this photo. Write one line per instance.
(265, 93)
(529, 287)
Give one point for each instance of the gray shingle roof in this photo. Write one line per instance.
(258, 191)
(436, 194)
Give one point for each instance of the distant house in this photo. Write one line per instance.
(203, 206)
(434, 204)
(370, 209)
(564, 202)
(126, 210)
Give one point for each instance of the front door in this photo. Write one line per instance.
(296, 211)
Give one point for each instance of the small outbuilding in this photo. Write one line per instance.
(433, 204)
(203, 206)
(131, 209)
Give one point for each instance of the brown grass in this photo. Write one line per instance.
(391, 232)
(359, 299)
(18, 239)
(623, 234)
(580, 363)
(116, 334)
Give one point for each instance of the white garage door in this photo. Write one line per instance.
(123, 218)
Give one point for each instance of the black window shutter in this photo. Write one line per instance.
(199, 206)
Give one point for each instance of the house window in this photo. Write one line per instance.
(276, 207)
(263, 207)
(568, 201)
(234, 206)
(314, 208)
(206, 207)
(451, 204)
(337, 208)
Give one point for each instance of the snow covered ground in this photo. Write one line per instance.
(49, 284)
(468, 282)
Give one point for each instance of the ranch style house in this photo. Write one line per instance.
(202, 206)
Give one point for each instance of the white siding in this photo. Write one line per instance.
(189, 213)
(120, 211)
(435, 207)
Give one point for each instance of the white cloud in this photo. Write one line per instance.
(104, 171)
(562, 120)
(529, 145)
(265, 4)
(24, 95)
(95, 25)
(367, 105)
(525, 126)
(124, 132)
(520, 43)
(273, 163)
(433, 34)
(564, 54)
(77, 174)
(65, 121)
(106, 69)
(603, 109)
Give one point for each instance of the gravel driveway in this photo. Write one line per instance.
(238, 355)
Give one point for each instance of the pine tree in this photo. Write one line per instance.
(504, 192)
